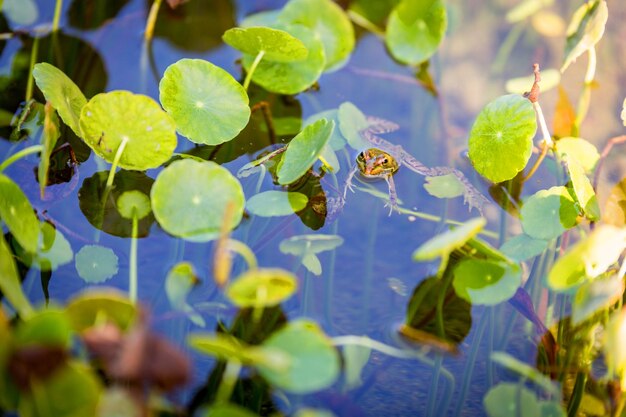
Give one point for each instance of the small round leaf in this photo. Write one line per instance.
(208, 105)
(445, 243)
(277, 45)
(263, 287)
(583, 152)
(96, 264)
(276, 203)
(133, 203)
(88, 308)
(548, 213)
(110, 118)
(484, 282)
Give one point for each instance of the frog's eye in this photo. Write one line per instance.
(385, 161)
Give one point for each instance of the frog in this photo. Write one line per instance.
(384, 159)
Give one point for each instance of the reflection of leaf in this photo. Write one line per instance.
(53, 250)
(595, 295)
(585, 30)
(307, 246)
(444, 186)
(523, 247)
(91, 14)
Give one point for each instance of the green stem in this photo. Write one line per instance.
(229, 379)
(577, 394)
(585, 96)
(57, 15)
(21, 154)
(152, 17)
(441, 331)
(33, 60)
(116, 160)
(255, 63)
(432, 393)
(132, 273)
(362, 21)
(547, 138)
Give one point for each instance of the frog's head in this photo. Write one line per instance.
(374, 163)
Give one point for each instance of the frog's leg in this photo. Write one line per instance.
(348, 184)
(378, 125)
(393, 197)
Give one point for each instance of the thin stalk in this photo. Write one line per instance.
(255, 63)
(244, 251)
(447, 279)
(229, 379)
(585, 98)
(329, 282)
(365, 23)
(152, 17)
(542, 155)
(433, 218)
(132, 272)
(57, 15)
(33, 60)
(577, 394)
(19, 155)
(306, 294)
(116, 161)
(432, 392)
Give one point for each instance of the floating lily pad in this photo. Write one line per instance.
(326, 19)
(548, 213)
(96, 264)
(484, 282)
(588, 258)
(17, 213)
(276, 45)
(91, 307)
(585, 30)
(264, 18)
(303, 151)
(583, 190)
(580, 150)
(276, 203)
(190, 198)
(351, 122)
(415, 30)
(53, 250)
(313, 362)
(523, 247)
(133, 203)
(306, 247)
(444, 186)
(594, 296)
(290, 77)
(263, 287)
(10, 283)
(443, 244)
(178, 284)
(61, 91)
(109, 119)
(208, 105)
(501, 139)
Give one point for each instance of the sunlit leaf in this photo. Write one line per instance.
(500, 142)
(588, 258)
(276, 203)
(507, 399)
(444, 243)
(61, 91)
(264, 18)
(583, 190)
(263, 287)
(579, 150)
(483, 282)
(550, 78)
(20, 12)
(290, 77)
(96, 264)
(313, 362)
(224, 347)
(110, 119)
(303, 151)
(444, 186)
(523, 247)
(179, 282)
(525, 9)
(594, 296)
(548, 213)
(48, 139)
(351, 122)
(18, 215)
(53, 250)
(328, 21)
(615, 208)
(10, 283)
(100, 306)
(189, 199)
(336, 141)
(133, 203)
(415, 29)
(208, 105)
(276, 45)
(613, 346)
(585, 30)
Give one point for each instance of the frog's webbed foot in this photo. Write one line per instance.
(471, 196)
(393, 197)
(348, 184)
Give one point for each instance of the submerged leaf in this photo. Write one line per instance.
(548, 213)
(133, 203)
(208, 105)
(48, 139)
(96, 264)
(276, 45)
(179, 282)
(263, 287)
(276, 203)
(519, 401)
(501, 139)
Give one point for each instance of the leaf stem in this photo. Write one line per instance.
(244, 250)
(151, 22)
(132, 273)
(57, 15)
(365, 23)
(21, 154)
(33, 60)
(544, 152)
(255, 63)
(229, 379)
(585, 97)
(116, 160)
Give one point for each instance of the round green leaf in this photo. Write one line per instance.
(96, 264)
(110, 118)
(290, 77)
(264, 18)
(415, 30)
(133, 203)
(264, 287)
(351, 122)
(329, 21)
(445, 243)
(444, 186)
(17, 213)
(53, 250)
(277, 45)
(61, 91)
(548, 213)
(276, 203)
(500, 142)
(44, 327)
(336, 140)
(484, 282)
(208, 105)
(89, 308)
(583, 152)
(303, 245)
(190, 199)
(508, 399)
(303, 151)
(523, 247)
(313, 360)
